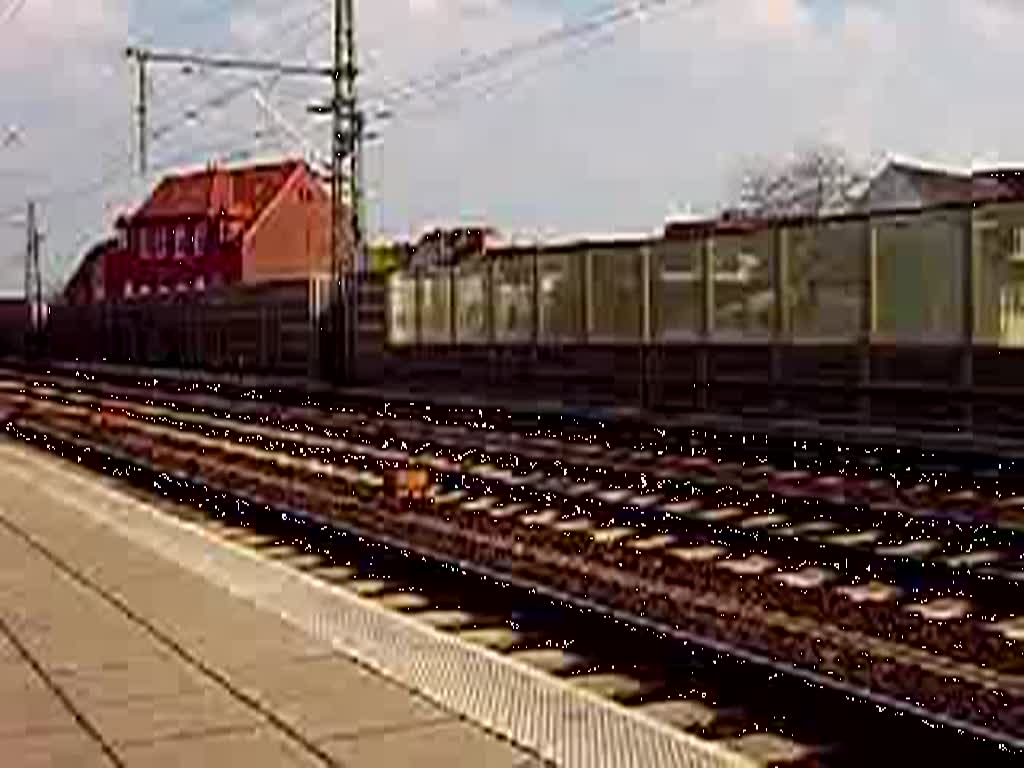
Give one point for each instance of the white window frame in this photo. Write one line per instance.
(180, 233)
(160, 238)
(1017, 248)
(199, 238)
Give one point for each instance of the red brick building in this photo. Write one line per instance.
(217, 227)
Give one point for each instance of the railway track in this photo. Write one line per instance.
(932, 544)
(965, 546)
(884, 479)
(974, 460)
(771, 718)
(639, 540)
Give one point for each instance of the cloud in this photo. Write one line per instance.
(668, 111)
(422, 7)
(59, 68)
(657, 113)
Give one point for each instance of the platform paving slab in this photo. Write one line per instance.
(139, 722)
(259, 748)
(77, 645)
(43, 500)
(27, 705)
(452, 744)
(130, 640)
(67, 749)
(7, 651)
(159, 677)
(335, 697)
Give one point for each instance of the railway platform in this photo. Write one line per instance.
(129, 637)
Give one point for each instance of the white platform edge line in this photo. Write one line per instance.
(197, 552)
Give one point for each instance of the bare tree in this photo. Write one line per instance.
(816, 180)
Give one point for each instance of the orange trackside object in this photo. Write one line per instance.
(417, 481)
(407, 485)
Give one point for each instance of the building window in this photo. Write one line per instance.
(128, 289)
(162, 289)
(182, 287)
(149, 243)
(1017, 252)
(200, 284)
(200, 238)
(143, 290)
(160, 234)
(122, 238)
(181, 243)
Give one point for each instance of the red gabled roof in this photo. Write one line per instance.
(242, 193)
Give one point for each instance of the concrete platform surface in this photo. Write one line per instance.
(110, 656)
(130, 637)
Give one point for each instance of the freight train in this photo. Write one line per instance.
(874, 324)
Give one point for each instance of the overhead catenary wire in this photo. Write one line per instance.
(595, 30)
(461, 90)
(470, 72)
(605, 17)
(382, 101)
(193, 111)
(486, 91)
(116, 167)
(602, 20)
(122, 166)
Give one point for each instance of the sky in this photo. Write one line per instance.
(613, 131)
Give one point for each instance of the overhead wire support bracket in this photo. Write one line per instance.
(228, 62)
(144, 56)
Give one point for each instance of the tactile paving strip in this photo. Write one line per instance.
(560, 723)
